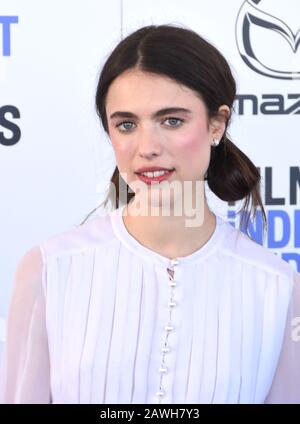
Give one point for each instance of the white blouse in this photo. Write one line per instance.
(97, 317)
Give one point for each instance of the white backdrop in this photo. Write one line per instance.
(56, 171)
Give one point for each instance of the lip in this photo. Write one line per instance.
(152, 169)
(155, 180)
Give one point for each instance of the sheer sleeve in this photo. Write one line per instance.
(25, 370)
(286, 384)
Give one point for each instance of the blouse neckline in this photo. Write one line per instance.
(148, 254)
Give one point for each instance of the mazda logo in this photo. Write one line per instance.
(266, 43)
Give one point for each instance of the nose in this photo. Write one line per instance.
(148, 143)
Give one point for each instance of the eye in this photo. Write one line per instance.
(171, 120)
(126, 128)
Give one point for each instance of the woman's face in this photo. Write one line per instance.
(180, 140)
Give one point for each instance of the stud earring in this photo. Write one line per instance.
(215, 142)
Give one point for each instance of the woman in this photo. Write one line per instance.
(145, 305)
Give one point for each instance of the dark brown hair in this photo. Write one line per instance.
(187, 58)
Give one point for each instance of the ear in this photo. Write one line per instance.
(218, 123)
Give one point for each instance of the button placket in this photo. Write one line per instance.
(169, 327)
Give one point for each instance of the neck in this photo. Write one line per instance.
(170, 236)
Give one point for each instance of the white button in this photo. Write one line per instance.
(171, 304)
(174, 261)
(163, 370)
(172, 283)
(165, 349)
(169, 327)
(160, 393)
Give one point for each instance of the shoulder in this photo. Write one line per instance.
(94, 233)
(239, 246)
(30, 265)
(27, 281)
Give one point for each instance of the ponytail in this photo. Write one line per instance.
(232, 176)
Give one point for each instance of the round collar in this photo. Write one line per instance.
(116, 217)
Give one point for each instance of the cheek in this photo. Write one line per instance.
(123, 154)
(195, 145)
(120, 147)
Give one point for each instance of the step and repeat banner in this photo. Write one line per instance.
(55, 159)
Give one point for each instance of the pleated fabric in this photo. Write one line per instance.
(107, 297)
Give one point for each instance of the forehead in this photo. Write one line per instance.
(138, 90)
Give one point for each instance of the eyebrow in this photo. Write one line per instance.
(157, 114)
